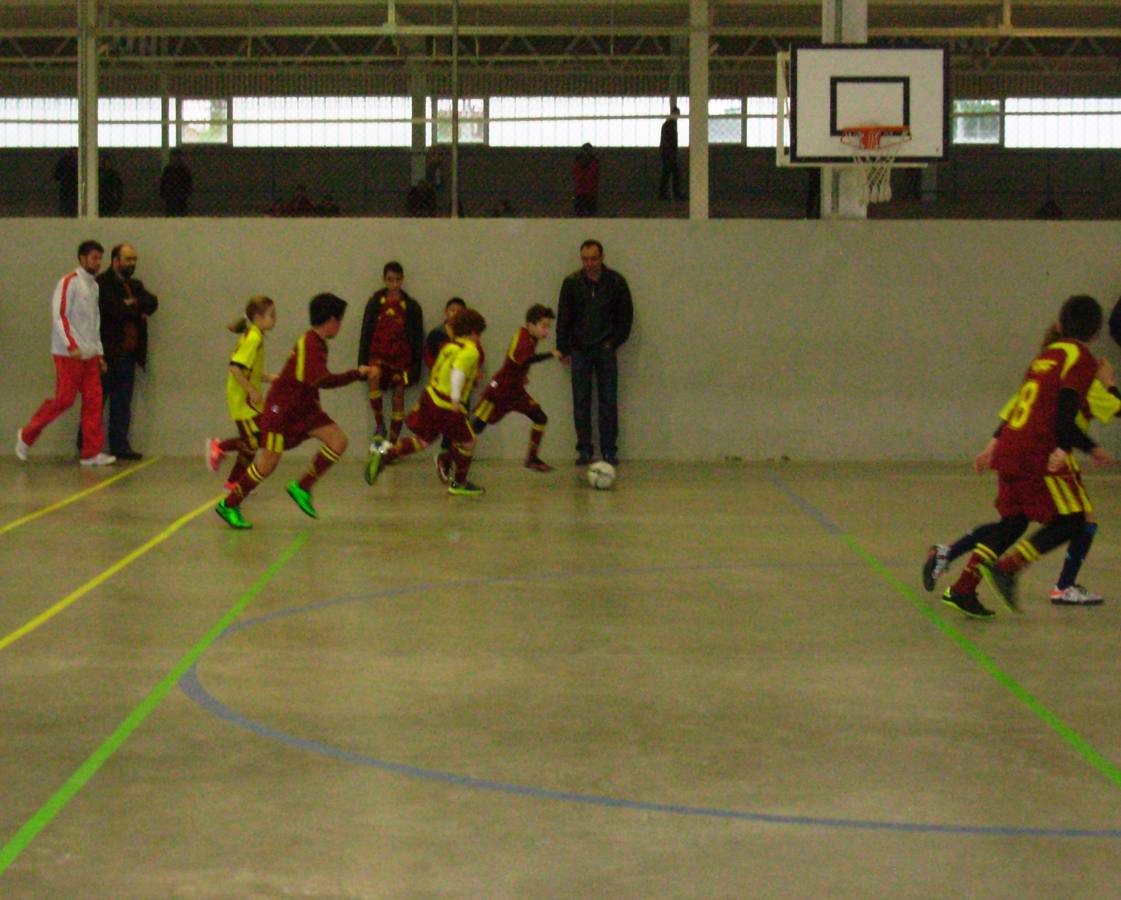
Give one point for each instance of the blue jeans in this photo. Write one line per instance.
(599, 364)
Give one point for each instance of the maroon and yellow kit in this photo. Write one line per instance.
(436, 414)
(1028, 437)
(506, 392)
(292, 409)
(390, 349)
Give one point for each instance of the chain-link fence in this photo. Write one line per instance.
(392, 110)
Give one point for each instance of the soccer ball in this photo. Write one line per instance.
(601, 475)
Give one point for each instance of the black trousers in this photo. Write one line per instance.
(596, 364)
(670, 171)
(117, 383)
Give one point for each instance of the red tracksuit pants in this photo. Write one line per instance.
(73, 377)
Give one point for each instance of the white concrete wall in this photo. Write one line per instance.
(753, 339)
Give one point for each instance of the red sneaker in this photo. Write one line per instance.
(214, 454)
(538, 465)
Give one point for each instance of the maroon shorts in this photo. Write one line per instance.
(496, 404)
(1042, 497)
(429, 421)
(391, 375)
(280, 432)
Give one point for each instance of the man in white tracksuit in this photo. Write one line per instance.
(78, 362)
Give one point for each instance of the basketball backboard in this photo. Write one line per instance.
(823, 90)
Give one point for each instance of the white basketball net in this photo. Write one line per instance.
(874, 149)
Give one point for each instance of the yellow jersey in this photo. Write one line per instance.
(250, 356)
(458, 353)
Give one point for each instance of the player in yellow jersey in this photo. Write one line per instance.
(243, 387)
(441, 410)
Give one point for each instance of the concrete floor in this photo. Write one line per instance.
(706, 682)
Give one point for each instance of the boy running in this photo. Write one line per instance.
(507, 392)
(1037, 478)
(441, 410)
(293, 414)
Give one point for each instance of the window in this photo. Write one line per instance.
(128, 121)
(472, 120)
(322, 121)
(725, 120)
(976, 122)
(38, 122)
(573, 121)
(204, 121)
(762, 120)
(1074, 122)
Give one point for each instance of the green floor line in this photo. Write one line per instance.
(47, 812)
(1084, 748)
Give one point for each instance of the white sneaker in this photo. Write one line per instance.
(1075, 595)
(21, 447)
(102, 459)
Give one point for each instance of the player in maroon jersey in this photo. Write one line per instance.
(1037, 478)
(1103, 402)
(293, 414)
(391, 344)
(506, 392)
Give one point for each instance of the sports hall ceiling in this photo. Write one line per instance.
(1015, 38)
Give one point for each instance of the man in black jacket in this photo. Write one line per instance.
(594, 316)
(125, 306)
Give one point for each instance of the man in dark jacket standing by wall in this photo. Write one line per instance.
(594, 316)
(668, 149)
(125, 306)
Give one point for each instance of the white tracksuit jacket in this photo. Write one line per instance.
(75, 315)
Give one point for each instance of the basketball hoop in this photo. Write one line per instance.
(874, 148)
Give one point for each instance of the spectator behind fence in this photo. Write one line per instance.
(301, 204)
(66, 174)
(670, 169)
(176, 185)
(110, 188)
(585, 182)
(421, 199)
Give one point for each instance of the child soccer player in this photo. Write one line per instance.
(391, 343)
(243, 388)
(293, 414)
(441, 410)
(507, 393)
(1037, 478)
(439, 336)
(1103, 403)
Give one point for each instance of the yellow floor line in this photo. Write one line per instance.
(30, 517)
(74, 596)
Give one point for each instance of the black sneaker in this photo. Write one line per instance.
(968, 604)
(936, 563)
(583, 460)
(1004, 585)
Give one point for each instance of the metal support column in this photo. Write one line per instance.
(455, 111)
(87, 109)
(843, 22)
(699, 34)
